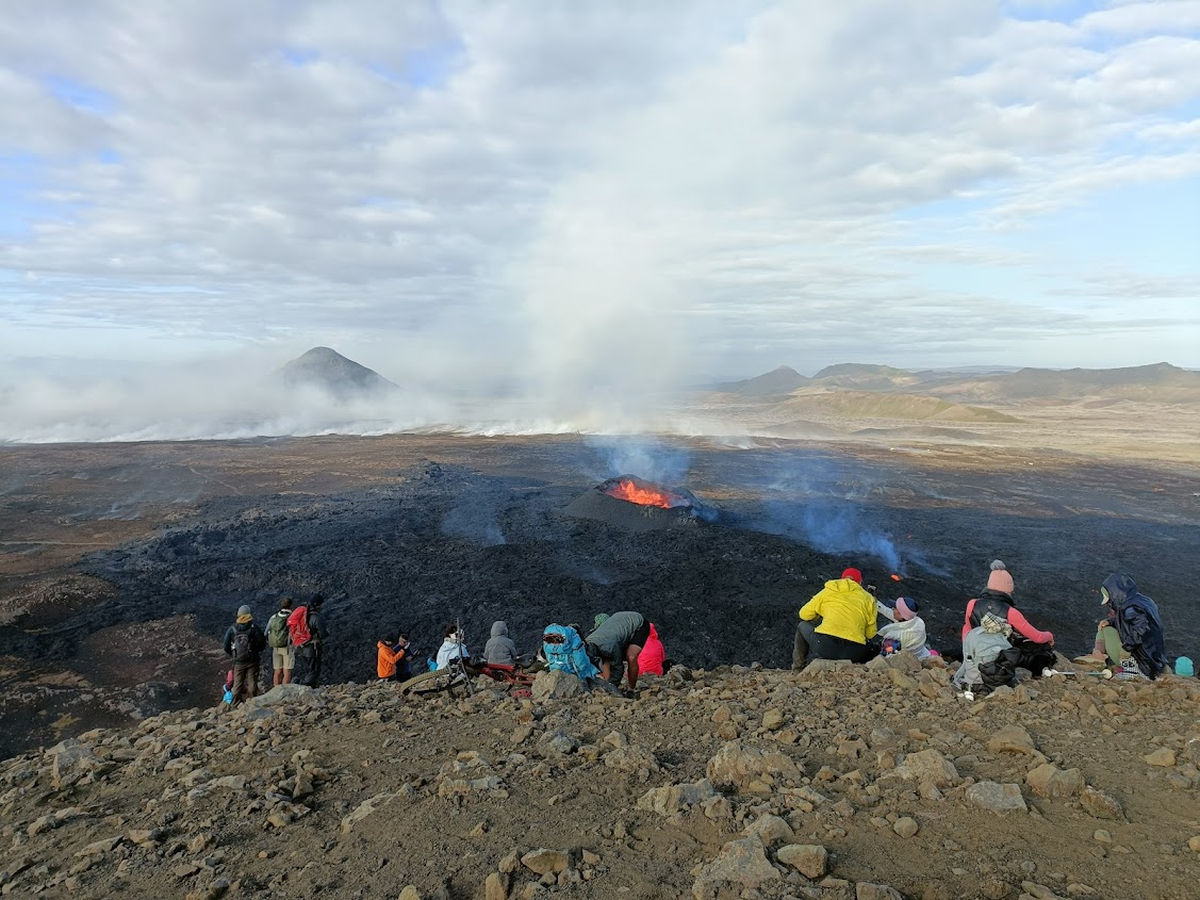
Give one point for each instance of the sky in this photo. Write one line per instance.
(575, 197)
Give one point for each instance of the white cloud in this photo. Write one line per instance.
(574, 195)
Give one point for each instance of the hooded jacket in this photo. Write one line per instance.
(452, 648)
(1138, 624)
(653, 654)
(500, 650)
(846, 611)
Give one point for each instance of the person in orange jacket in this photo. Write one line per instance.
(391, 655)
(650, 660)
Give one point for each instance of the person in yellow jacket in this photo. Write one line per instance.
(838, 623)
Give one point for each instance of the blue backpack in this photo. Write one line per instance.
(565, 652)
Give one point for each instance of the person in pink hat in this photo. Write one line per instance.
(996, 605)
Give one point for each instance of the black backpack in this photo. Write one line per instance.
(243, 646)
(1001, 672)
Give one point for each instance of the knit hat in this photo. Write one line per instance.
(853, 575)
(906, 608)
(999, 579)
(244, 615)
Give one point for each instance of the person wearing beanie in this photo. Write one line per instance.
(837, 623)
(244, 643)
(904, 626)
(996, 603)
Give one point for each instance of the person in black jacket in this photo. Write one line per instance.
(245, 643)
(1137, 622)
(312, 651)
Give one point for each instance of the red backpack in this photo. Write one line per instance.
(298, 626)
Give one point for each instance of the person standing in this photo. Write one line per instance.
(308, 637)
(244, 643)
(283, 654)
(837, 623)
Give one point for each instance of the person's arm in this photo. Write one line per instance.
(1137, 625)
(872, 619)
(812, 609)
(605, 669)
(967, 619)
(1021, 625)
(917, 633)
(228, 642)
(886, 611)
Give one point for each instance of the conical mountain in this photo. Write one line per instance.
(328, 370)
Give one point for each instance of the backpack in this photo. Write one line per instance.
(243, 646)
(278, 633)
(565, 652)
(297, 624)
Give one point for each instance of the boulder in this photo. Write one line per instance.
(810, 860)
(740, 862)
(928, 767)
(997, 798)
(770, 830)
(1011, 739)
(906, 826)
(70, 760)
(1100, 805)
(674, 798)
(1053, 783)
(543, 861)
(736, 765)
(1163, 756)
(282, 693)
(554, 685)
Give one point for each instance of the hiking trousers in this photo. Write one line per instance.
(810, 643)
(310, 672)
(245, 681)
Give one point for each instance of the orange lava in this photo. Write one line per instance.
(627, 490)
(895, 577)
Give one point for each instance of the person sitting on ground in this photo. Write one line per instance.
(617, 644)
(452, 648)
(650, 660)
(500, 649)
(244, 642)
(1106, 649)
(1138, 626)
(1035, 647)
(386, 658)
(283, 654)
(837, 623)
(989, 660)
(905, 626)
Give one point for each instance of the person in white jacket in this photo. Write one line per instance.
(906, 626)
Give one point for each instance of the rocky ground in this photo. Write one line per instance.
(841, 782)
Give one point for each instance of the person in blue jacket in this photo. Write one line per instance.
(1137, 622)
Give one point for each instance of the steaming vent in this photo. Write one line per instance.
(638, 505)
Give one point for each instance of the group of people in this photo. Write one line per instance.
(624, 644)
(841, 622)
(293, 636)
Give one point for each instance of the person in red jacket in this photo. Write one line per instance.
(650, 660)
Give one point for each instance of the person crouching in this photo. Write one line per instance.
(837, 623)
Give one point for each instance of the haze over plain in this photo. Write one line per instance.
(578, 207)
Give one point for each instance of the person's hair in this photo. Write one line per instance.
(449, 630)
(285, 603)
(387, 639)
(404, 635)
(317, 601)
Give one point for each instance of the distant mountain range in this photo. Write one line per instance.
(328, 370)
(1159, 383)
